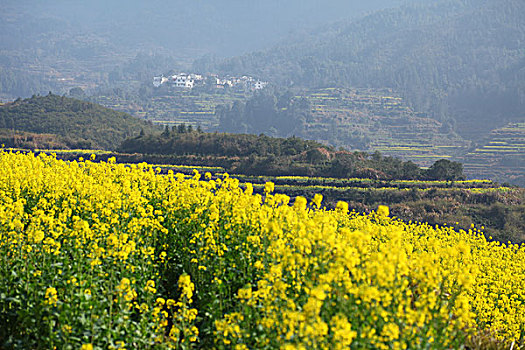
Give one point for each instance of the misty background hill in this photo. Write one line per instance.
(225, 28)
(460, 61)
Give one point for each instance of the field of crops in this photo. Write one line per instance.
(104, 255)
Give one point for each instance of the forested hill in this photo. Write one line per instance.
(264, 155)
(458, 60)
(76, 123)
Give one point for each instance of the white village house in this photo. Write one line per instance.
(188, 81)
(158, 81)
(181, 80)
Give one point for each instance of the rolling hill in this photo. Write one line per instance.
(76, 123)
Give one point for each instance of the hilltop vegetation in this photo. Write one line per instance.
(76, 123)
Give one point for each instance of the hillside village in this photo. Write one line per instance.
(191, 80)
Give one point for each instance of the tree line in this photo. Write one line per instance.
(264, 155)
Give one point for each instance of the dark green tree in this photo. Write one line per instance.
(445, 169)
(166, 132)
(181, 128)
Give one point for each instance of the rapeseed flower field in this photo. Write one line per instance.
(112, 256)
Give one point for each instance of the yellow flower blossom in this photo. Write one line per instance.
(150, 287)
(383, 210)
(51, 296)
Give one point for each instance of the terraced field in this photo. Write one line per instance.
(177, 107)
(120, 104)
(356, 119)
(501, 157)
(378, 120)
(183, 107)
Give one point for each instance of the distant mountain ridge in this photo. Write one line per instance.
(237, 26)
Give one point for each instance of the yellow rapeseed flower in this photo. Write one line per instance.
(383, 210)
(51, 296)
